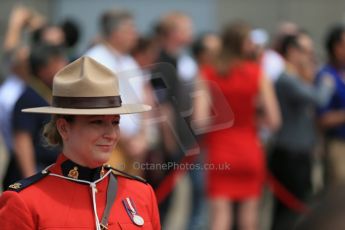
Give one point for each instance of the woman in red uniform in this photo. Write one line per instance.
(79, 191)
(242, 84)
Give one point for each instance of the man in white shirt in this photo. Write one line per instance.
(119, 36)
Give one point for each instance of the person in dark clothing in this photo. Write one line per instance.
(28, 154)
(173, 80)
(331, 116)
(292, 149)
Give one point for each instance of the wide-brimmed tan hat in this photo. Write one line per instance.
(86, 87)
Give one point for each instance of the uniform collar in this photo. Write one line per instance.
(73, 170)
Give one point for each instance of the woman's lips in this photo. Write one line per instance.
(106, 148)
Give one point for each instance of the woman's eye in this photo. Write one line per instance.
(97, 122)
(116, 122)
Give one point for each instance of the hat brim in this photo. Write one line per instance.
(124, 109)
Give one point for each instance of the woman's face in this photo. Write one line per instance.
(89, 140)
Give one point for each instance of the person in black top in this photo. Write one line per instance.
(28, 154)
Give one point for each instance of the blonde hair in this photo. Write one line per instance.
(51, 134)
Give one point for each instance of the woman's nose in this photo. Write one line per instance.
(111, 132)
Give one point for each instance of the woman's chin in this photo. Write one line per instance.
(101, 158)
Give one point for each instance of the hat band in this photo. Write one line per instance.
(86, 102)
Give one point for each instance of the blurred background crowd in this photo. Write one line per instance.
(267, 100)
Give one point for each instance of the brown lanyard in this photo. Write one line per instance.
(111, 194)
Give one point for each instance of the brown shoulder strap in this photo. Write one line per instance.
(111, 195)
(122, 173)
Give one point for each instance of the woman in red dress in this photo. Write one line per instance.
(243, 87)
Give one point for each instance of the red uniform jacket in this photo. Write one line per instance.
(51, 202)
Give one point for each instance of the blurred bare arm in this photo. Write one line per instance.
(18, 20)
(137, 145)
(24, 152)
(201, 105)
(332, 119)
(269, 103)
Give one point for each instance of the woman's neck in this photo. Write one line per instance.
(79, 161)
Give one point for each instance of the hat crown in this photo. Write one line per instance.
(85, 77)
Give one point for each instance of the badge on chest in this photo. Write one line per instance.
(132, 212)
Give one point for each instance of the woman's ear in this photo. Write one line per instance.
(61, 126)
